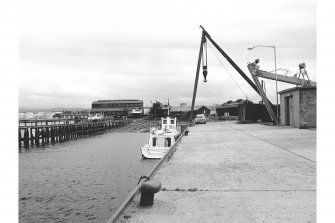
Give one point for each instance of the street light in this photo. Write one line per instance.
(274, 49)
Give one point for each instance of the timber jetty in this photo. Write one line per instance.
(40, 132)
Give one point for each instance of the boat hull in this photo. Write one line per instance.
(154, 153)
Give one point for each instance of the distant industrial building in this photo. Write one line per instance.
(298, 107)
(126, 107)
(183, 109)
(244, 110)
(229, 108)
(249, 111)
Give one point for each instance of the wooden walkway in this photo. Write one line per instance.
(40, 132)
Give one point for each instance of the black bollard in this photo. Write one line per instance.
(148, 190)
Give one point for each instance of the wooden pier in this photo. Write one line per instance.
(40, 132)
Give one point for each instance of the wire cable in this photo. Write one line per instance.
(227, 71)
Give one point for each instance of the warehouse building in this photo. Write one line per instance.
(126, 107)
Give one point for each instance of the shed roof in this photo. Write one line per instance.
(296, 88)
(107, 110)
(122, 101)
(187, 108)
(233, 104)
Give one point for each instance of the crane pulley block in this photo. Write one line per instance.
(204, 60)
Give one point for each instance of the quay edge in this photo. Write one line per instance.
(229, 172)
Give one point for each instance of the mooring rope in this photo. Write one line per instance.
(143, 177)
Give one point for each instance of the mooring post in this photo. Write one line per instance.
(36, 136)
(69, 131)
(48, 134)
(56, 133)
(148, 190)
(19, 138)
(45, 135)
(66, 134)
(42, 135)
(62, 130)
(61, 133)
(31, 136)
(52, 134)
(26, 138)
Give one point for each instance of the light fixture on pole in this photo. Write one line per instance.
(274, 50)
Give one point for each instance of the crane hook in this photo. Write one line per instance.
(204, 72)
(204, 61)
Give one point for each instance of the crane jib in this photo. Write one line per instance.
(205, 35)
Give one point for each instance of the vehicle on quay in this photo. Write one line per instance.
(161, 139)
(200, 119)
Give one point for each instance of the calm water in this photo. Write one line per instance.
(81, 180)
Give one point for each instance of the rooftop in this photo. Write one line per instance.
(296, 88)
(118, 101)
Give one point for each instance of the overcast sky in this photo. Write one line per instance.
(74, 52)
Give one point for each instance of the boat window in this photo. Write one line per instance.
(164, 121)
(168, 142)
(172, 121)
(154, 141)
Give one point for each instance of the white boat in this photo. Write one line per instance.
(161, 140)
(135, 112)
(95, 117)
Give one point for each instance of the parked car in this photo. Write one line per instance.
(200, 119)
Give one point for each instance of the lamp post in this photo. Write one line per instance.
(274, 50)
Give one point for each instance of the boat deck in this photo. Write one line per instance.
(229, 172)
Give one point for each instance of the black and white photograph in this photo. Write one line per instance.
(167, 111)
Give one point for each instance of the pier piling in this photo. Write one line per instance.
(36, 132)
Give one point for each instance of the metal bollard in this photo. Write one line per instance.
(148, 190)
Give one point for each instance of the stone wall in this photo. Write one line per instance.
(307, 98)
(303, 107)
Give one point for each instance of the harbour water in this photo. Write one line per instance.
(82, 180)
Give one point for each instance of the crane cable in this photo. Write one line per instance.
(204, 62)
(228, 71)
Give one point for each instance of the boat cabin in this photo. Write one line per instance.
(166, 135)
(168, 123)
(161, 139)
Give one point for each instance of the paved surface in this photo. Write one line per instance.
(229, 172)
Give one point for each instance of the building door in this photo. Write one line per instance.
(289, 110)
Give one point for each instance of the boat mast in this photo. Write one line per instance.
(168, 107)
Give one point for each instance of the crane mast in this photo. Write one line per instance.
(255, 74)
(205, 36)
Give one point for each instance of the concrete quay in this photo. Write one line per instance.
(229, 172)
